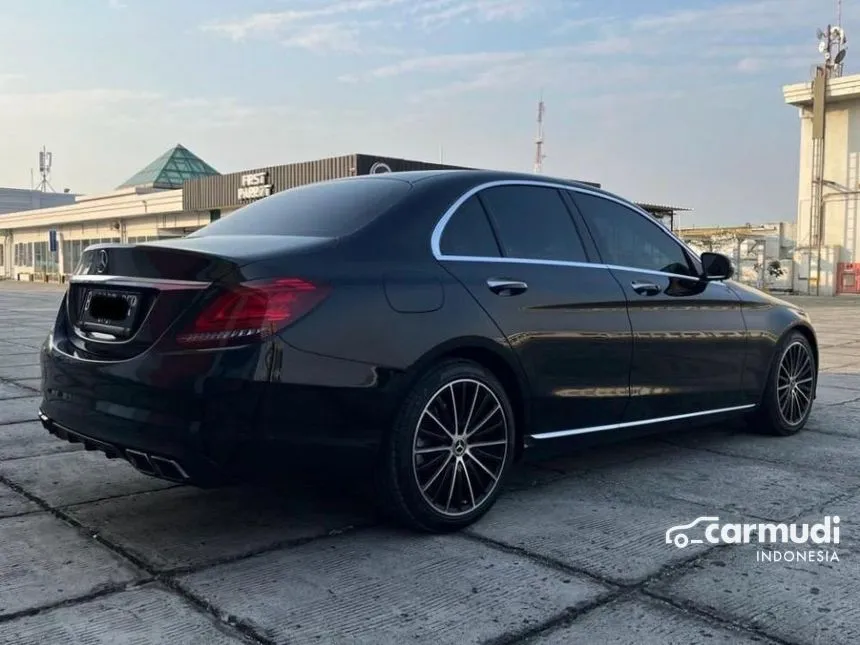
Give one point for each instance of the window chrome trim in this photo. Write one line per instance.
(439, 229)
(632, 424)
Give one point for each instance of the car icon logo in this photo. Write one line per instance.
(102, 262)
(677, 535)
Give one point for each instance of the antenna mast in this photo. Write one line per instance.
(539, 155)
(46, 160)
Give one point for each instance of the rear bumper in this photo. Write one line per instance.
(198, 416)
(155, 465)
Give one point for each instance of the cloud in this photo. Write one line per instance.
(274, 23)
(8, 79)
(751, 16)
(117, 4)
(439, 12)
(441, 64)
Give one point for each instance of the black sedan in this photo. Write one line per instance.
(434, 324)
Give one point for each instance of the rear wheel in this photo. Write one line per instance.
(790, 389)
(450, 449)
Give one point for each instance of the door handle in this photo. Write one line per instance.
(504, 287)
(645, 288)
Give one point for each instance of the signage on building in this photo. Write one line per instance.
(379, 167)
(254, 186)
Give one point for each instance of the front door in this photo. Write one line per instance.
(517, 250)
(689, 335)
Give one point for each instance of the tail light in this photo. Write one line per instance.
(252, 311)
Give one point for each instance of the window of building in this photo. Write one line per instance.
(533, 223)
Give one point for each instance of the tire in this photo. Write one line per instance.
(775, 415)
(481, 470)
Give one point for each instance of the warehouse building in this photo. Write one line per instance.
(828, 238)
(173, 196)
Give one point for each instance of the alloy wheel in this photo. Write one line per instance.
(795, 383)
(460, 447)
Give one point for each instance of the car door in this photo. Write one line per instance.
(689, 335)
(516, 248)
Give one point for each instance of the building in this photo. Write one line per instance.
(763, 254)
(13, 200)
(827, 234)
(173, 196)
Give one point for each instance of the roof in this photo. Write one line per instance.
(661, 209)
(171, 170)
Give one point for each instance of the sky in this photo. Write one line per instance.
(666, 101)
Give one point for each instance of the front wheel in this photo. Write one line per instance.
(450, 448)
(790, 390)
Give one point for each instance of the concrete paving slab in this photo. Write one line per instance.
(731, 484)
(19, 360)
(646, 622)
(45, 561)
(15, 373)
(34, 384)
(836, 419)
(389, 588)
(11, 503)
(77, 477)
(612, 532)
(809, 450)
(19, 410)
(828, 395)
(187, 527)
(798, 602)
(584, 460)
(10, 349)
(146, 615)
(845, 381)
(12, 391)
(29, 439)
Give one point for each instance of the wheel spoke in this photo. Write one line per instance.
(490, 414)
(426, 451)
(454, 409)
(485, 444)
(438, 472)
(471, 411)
(439, 423)
(469, 483)
(481, 465)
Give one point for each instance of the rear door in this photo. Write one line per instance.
(518, 251)
(689, 335)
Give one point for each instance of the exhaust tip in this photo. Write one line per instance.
(140, 461)
(168, 468)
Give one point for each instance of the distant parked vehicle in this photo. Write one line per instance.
(434, 323)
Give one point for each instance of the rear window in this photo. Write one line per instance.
(325, 209)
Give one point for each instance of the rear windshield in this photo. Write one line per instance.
(326, 209)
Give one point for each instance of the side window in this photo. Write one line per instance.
(468, 232)
(626, 238)
(533, 223)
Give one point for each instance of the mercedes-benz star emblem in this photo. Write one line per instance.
(102, 262)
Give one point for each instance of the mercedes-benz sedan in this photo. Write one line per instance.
(434, 324)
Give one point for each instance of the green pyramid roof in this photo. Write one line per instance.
(171, 169)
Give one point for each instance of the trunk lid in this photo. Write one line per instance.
(123, 298)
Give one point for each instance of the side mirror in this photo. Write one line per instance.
(716, 266)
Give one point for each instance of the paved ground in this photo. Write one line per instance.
(92, 552)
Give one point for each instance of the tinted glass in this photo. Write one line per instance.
(533, 223)
(628, 239)
(326, 209)
(469, 233)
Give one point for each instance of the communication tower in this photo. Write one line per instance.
(46, 160)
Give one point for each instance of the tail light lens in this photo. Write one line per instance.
(252, 311)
